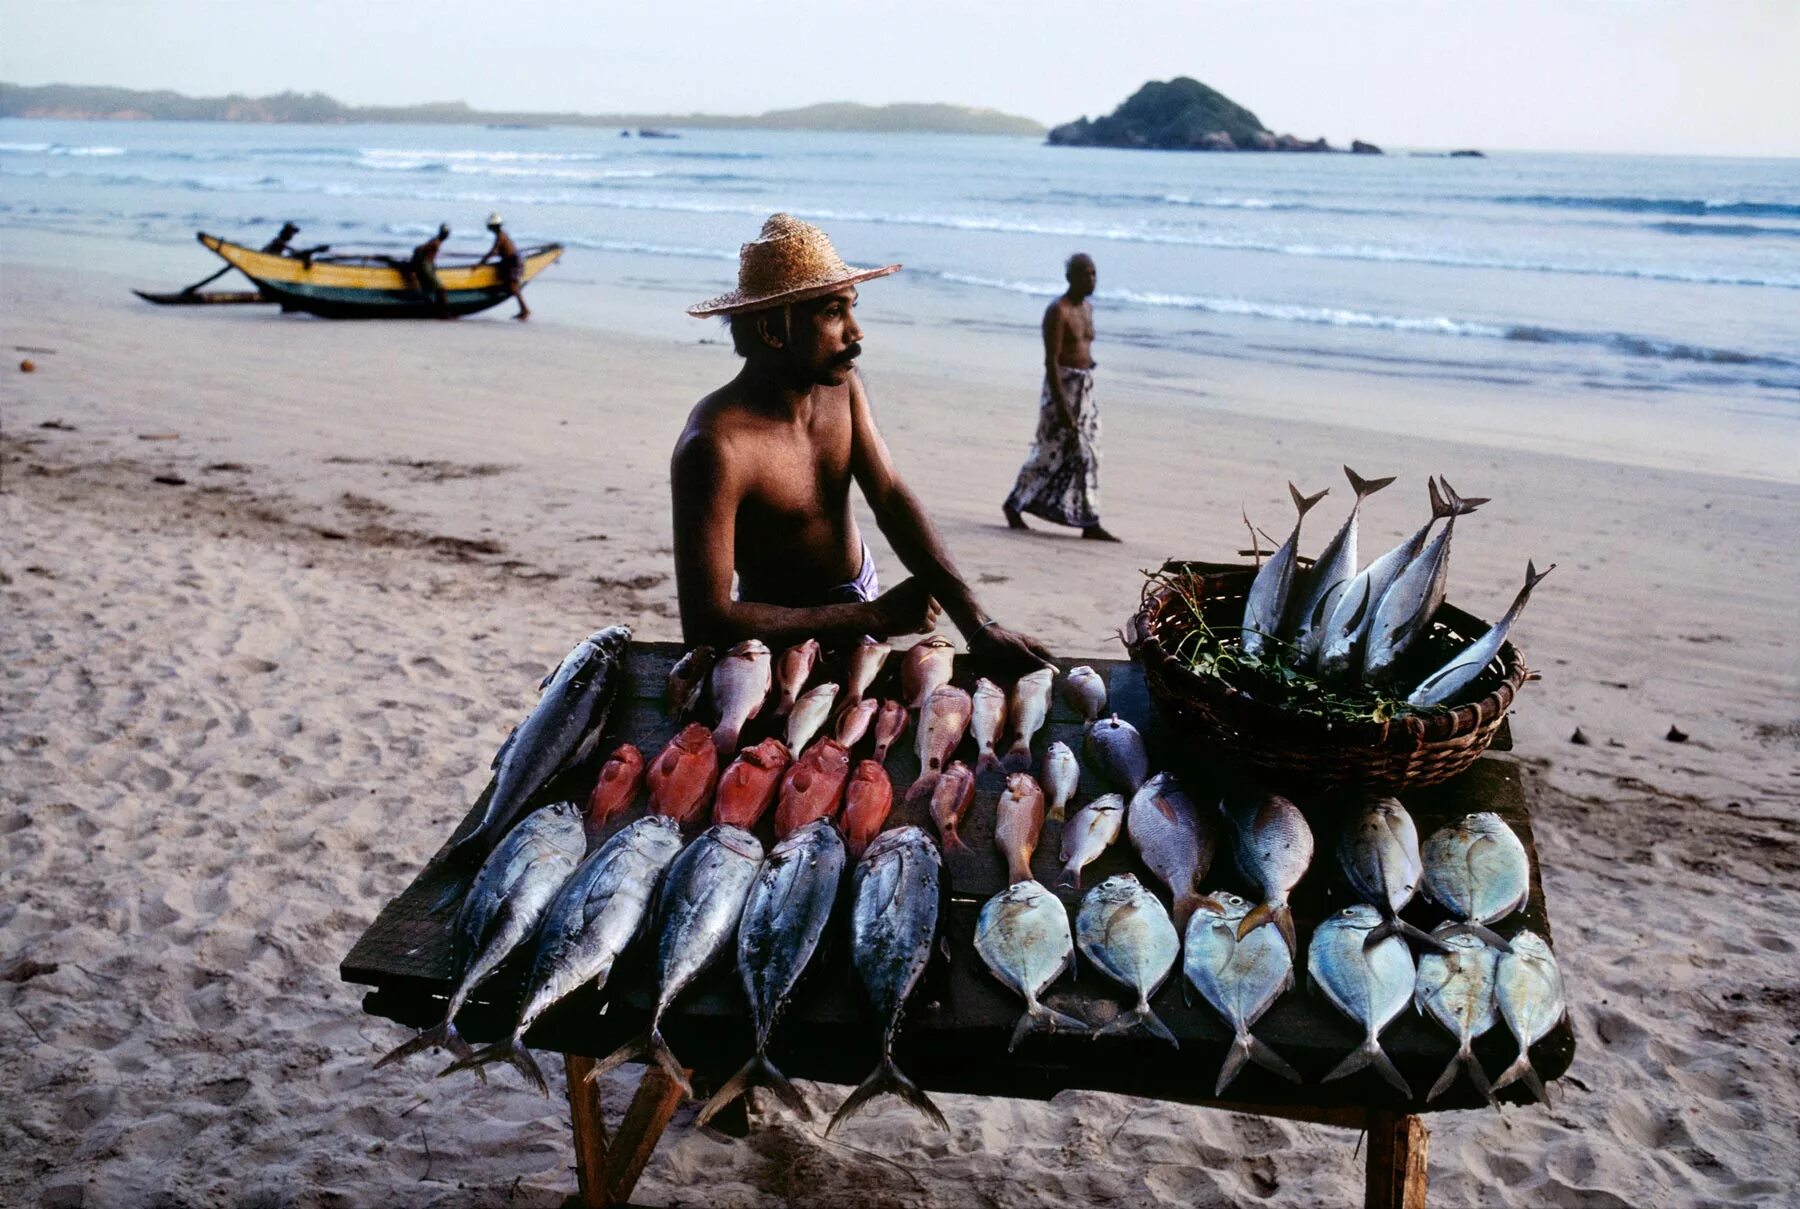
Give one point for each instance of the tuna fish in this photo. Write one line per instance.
(926, 667)
(1444, 685)
(1274, 847)
(1085, 691)
(791, 672)
(1174, 839)
(740, 684)
(683, 776)
(1123, 930)
(1403, 613)
(687, 682)
(1023, 935)
(867, 800)
(890, 724)
(942, 723)
(1116, 749)
(1378, 851)
(1371, 984)
(617, 786)
(987, 722)
(1267, 605)
(1528, 987)
(1018, 820)
(1091, 832)
(1455, 987)
(853, 723)
(784, 917)
(951, 796)
(1027, 707)
(809, 715)
(1241, 977)
(1477, 870)
(893, 924)
(865, 663)
(813, 787)
(747, 788)
(1330, 575)
(1062, 776)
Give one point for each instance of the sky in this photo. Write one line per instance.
(1680, 76)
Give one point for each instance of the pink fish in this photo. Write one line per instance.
(867, 801)
(792, 671)
(1017, 824)
(926, 667)
(748, 787)
(890, 724)
(682, 777)
(617, 787)
(952, 793)
(813, 787)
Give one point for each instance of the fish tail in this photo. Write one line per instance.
(985, 761)
(1185, 906)
(921, 789)
(1449, 1076)
(1485, 935)
(1268, 1059)
(1522, 1069)
(648, 1046)
(1369, 1053)
(758, 1072)
(953, 839)
(1304, 503)
(512, 1051)
(1365, 487)
(1460, 505)
(1071, 876)
(1235, 1058)
(1141, 1019)
(1478, 1077)
(1533, 577)
(1279, 914)
(443, 1036)
(1018, 869)
(1041, 1019)
(725, 738)
(887, 1078)
(1017, 758)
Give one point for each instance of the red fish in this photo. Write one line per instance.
(867, 801)
(748, 787)
(853, 723)
(620, 779)
(890, 724)
(951, 796)
(813, 787)
(683, 775)
(942, 723)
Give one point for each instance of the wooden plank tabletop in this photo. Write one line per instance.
(958, 1023)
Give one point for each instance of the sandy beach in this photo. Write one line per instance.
(275, 588)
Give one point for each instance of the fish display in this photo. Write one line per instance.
(695, 923)
(791, 672)
(893, 925)
(1477, 870)
(1274, 848)
(1023, 935)
(1123, 930)
(1091, 832)
(1346, 629)
(740, 684)
(560, 732)
(1378, 850)
(813, 787)
(1062, 776)
(926, 667)
(1529, 991)
(987, 721)
(1085, 691)
(1268, 602)
(687, 682)
(1370, 984)
(617, 786)
(1173, 838)
(890, 724)
(1455, 987)
(1018, 820)
(1404, 612)
(747, 788)
(865, 663)
(1241, 977)
(783, 919)
(594, 917)
(867, 800)
(504, 903)
(951, 796)
(1116, 750)
(683, 776)
(943, 720)
(1444, 685)
(1330, 575)
(808, 716)
(853, 722)
(1028, 705)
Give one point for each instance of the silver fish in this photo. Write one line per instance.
(1443, 685)
(808, 715)
(866, 660)
(1023, 935)
(1124, 931)
(784, 917)
(504, 903)
(695, 923)
(1085, 691)
(592, 920)
(560, 732)
(740, 685)
(1371, 984)
(1403, 613)
(987, 721)
(1528, 987)
(1266, 604)
(1115, 747)
(1456, 988)
(1274, 847)
(1062, 776)
(1241, 977)
(1174, 838)
(1027, 706)
(1330, 575)
(893, 925)
(1477, 870)
(1091, 832)
(1378, 851)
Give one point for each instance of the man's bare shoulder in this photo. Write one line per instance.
(707, 434)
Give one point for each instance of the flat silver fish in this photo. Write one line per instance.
(1116, 749)
(1241, 977)
(1456, 987)
(1330, 575)
(1371, 984)
(1087, 835)
(1274, 848)
(1477, 870)
(1266, 604)
(1174, 839)
(1444, 685)
(1023, 935)
(1124, 931)
(1404, 612)
(1085, 691)
(1528, 986)
(1378, 850)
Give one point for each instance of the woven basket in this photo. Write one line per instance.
(1286, 748)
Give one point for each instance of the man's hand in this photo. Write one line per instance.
(1009, 651)
(907, 608)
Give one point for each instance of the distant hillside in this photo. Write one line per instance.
(1183, 115)
(77, 101)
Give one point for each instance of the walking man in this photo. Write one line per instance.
(1060, 480)
(512, 265)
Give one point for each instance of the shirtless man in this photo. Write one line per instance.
(762, 473)
(423, 268)
(512, 265)
(1060, 480)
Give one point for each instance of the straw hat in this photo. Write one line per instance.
(494, 219)
(789, 261)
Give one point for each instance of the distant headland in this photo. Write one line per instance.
(83, 102)
(1185, 115)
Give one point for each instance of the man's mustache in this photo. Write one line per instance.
(848, 355)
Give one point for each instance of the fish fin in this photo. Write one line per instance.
(1279, 914)
(1395, 926)
(953, 840)
(1140, 1019)
(1522, 1069)
(548, 677)
(513, 1051)
(921, 789)
(648, 1045)
(1268, 1059)
(1041, 1019)
(1479, 1078)
(1304, 503)
(758, 1072)
(1185, 906)
(1370, 1053)
(1440, 508)
(506, 746)
(1485, 935)
(1447, 1078)
(1362, 608)
(1533, 577)
(887, 1078)
(1017, 759)
(985, 761)
(1459, 505)
(1071, 876)
(443, 1036)
(1235, 1057)
(1365, 487)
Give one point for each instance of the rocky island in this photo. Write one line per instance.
(1185, 115)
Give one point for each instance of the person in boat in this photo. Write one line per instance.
(512, 264)
(423, 270)
(279, 245)
(1060, 480)
(762, 471)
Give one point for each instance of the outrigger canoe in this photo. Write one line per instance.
(370, 287)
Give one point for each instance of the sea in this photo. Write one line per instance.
(1584, 275)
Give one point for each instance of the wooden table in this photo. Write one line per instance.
(958, 1023)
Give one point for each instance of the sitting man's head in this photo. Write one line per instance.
(814, 342)
(443, 231)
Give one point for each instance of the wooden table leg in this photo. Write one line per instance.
(1395, 1177)
(590, 1131)
(655, 1102)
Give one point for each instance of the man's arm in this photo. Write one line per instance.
(1055, 321)
(490, 253)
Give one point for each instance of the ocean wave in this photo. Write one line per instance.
(1686, 206)
(58, 149)
(1733, 230)
(649, 249)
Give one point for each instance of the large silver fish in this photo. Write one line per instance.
(1241, 976)
(695, 924)
(504, 903)
(1528, 986)
(1124, 931)
(1403, 613)
(1091, 832)
(1174, 838)
(1023, 935)
(1274, 848)
(1371, 984)
(1116, 749)
(1330, 575)
(1266, 605)
(784, 917)
(1444, 685)
(1477, 870)
(592, 920)
(1455, 987)
(560, 731)
(1378, 850)
(893, 925)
